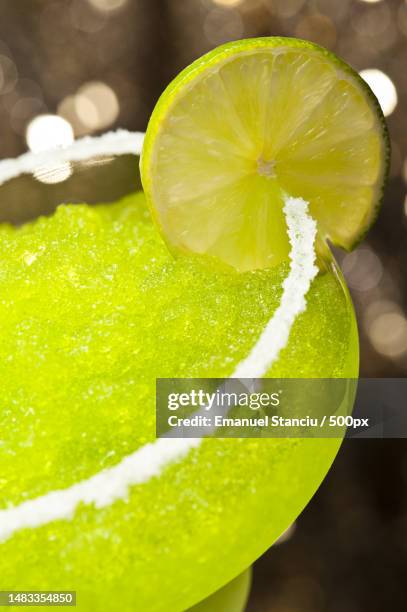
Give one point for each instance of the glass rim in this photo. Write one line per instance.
(116, 143)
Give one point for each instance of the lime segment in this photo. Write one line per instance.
(250, 123)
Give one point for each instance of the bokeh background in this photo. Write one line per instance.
(70, 68)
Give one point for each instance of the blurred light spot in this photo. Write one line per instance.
(107, 5)
(337, 11)
(228, 2)
(371, 1)
(48, 131)
(286, 535)
(383, 88)
(96, 105)
(8, 75)
(29, 89)
(287, 8)
(67, 110)
(222, 25)
(388, 334)
(317, 28)
(23, 111)
(362, 269)
(377, 308)
(24, 107)
(54, 173)
(405, 205)
(376, 29)
(372, 22)
(86, 18)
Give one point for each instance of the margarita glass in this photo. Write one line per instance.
(196, 512)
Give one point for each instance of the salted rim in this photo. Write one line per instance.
(112, 484)
(121, 142)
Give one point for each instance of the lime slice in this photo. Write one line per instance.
(250, 123)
